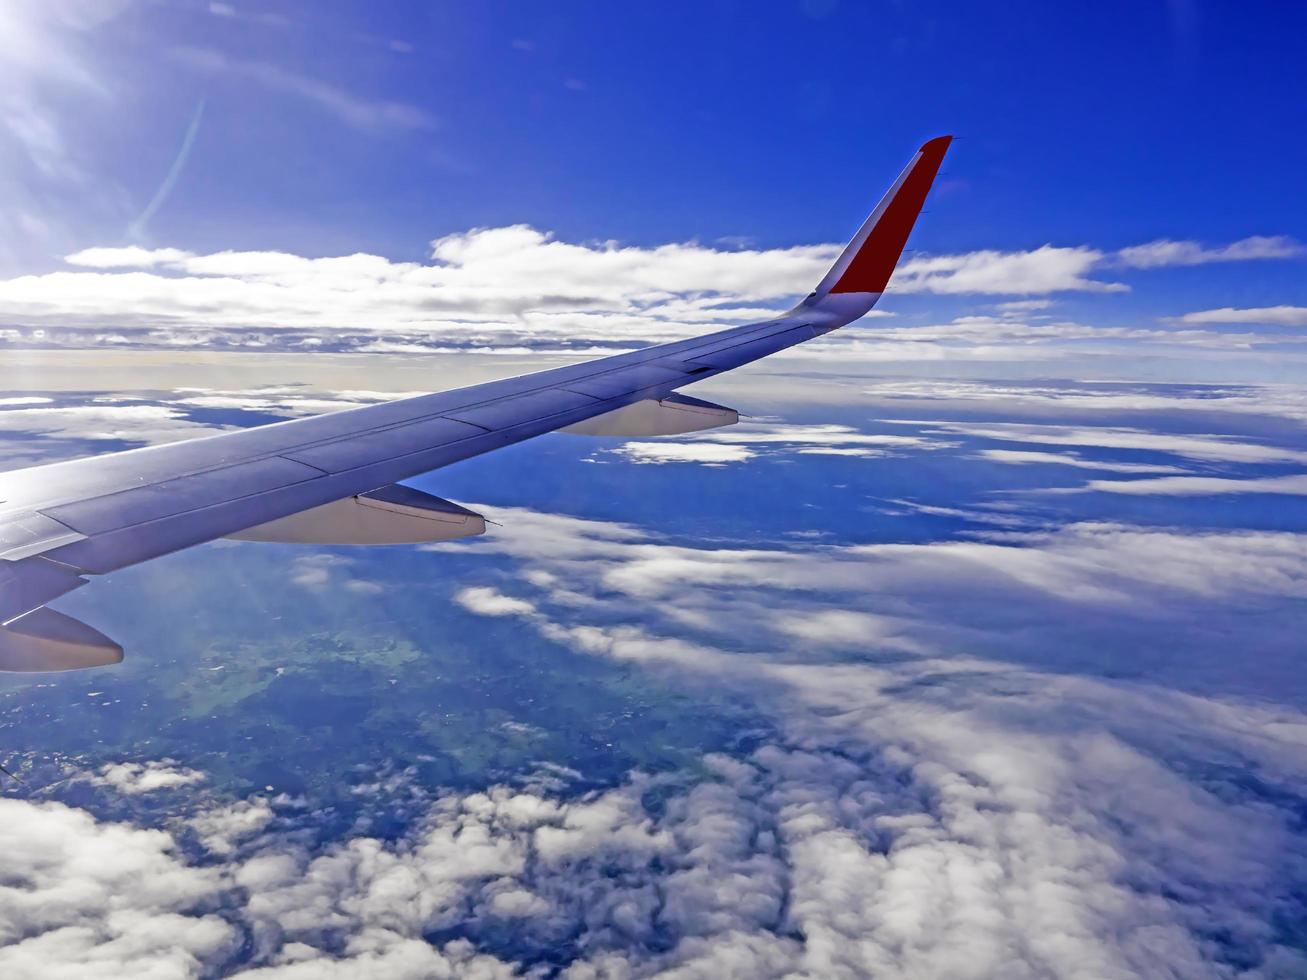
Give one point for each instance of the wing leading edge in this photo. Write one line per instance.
(62, 522)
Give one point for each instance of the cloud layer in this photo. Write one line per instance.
(948, 774)
(517, 286)
(915, 811)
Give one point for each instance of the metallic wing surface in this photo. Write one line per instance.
(334, 479)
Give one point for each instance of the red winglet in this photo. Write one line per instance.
(891, 223)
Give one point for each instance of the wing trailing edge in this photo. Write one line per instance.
(392, 515)
(668, 416)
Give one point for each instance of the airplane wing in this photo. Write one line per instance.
(334, 479)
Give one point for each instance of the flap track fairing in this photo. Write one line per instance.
(390, 515)
(667, 416)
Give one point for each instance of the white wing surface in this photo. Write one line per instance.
(334, 478)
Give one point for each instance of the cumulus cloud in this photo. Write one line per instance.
(485, 286)
(1047, 269)
(491, 602)
(516, 285)
(221, 828)
(134, 778)
(107, 899)
(326, 571)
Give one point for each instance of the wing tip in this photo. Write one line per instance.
(938, 145)
(877, 249)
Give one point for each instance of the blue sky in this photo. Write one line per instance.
(1112, 124)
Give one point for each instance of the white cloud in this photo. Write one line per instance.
(1283, 400)
(25, 400)
(487, 286)
(145, 777)
(707, 453)
(1203, 486)
(991, 514)
(788, 434)
(486, 601)
(518, 287)
(222, 828)
(326, 571)
(88, 898)
(749, 440)
(987, 333)
(126, 257)
(1029, 857)
(922, 814)
(1025, 305)
(1089, 562)
(1047, 269)
(1165, 252)
(1279, 316)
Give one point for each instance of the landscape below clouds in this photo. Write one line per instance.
(905, 684)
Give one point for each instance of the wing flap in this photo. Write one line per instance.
(657, 417)
(391, 515)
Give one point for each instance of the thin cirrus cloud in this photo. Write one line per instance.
(370, 115)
